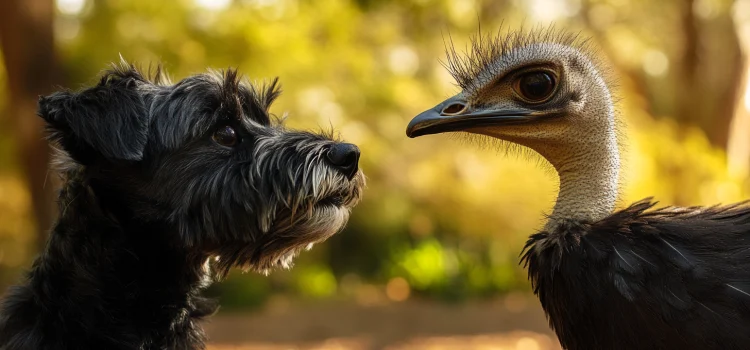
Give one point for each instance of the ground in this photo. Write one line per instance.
(513, 323)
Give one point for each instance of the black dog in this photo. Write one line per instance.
(166, 187)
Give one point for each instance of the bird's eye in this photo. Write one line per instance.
(225, 136)
(536, 86)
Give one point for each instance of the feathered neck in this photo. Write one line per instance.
(589, 181)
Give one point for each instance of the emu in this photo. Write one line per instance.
(635, 278)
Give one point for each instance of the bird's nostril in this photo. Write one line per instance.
(453, 108)
(345, 157)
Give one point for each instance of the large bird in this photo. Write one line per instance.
(635, 278)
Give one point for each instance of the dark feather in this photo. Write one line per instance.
(671, 278)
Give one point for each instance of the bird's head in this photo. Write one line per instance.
(540, 89)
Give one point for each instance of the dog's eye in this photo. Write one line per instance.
(225, 136)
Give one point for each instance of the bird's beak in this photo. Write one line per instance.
(437, 120)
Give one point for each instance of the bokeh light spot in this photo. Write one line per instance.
(66, 28)
(655, 63)
(550, 10)
(317, 281)
(705, 9)
(403, 60)
(70, 7)
(215, 5)
(397, 289)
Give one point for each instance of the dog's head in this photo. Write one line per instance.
(204, 158)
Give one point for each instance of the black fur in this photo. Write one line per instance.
(153, 210)
(673, 278)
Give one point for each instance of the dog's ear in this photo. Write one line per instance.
(109, 119)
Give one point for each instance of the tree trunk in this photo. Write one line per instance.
(27, 41)
(687, 108)
(706, 90)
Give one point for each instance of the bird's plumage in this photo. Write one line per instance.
(670, 278)
(636, 278)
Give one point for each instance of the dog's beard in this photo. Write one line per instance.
(296, 222)
(311, 221)
(287, 237)
(293, 235)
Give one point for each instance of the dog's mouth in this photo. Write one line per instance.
(296, 224)
(334, 200)
(347, 195)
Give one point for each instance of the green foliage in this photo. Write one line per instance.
(242, 291)
(425, 266)
(316, 281)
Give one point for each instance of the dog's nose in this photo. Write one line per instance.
(345, 158)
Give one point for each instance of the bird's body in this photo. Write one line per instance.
(637, 278)
(647, 279)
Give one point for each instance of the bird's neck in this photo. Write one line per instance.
(589, 181)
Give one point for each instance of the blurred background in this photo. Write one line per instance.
(429, 259)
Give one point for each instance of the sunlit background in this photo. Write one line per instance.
(429, 259)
